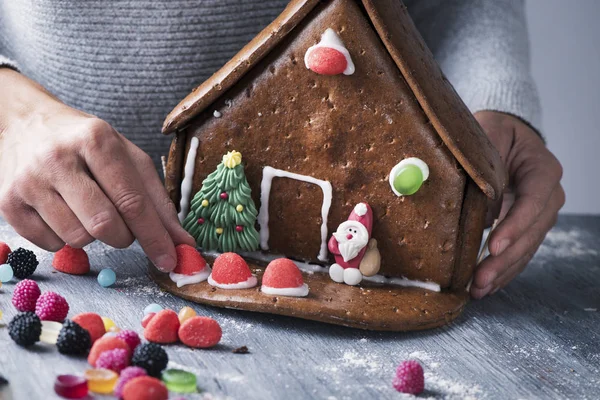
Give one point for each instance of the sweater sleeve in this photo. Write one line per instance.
(482, 47)
(8, 63)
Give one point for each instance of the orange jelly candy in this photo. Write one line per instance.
(101, 380)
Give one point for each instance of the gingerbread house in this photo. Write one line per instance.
(317, 143)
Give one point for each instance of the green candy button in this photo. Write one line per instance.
(408, 180)
(179, 381)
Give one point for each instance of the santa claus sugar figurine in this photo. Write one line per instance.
(354, 250)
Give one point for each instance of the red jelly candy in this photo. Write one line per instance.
(71, 386)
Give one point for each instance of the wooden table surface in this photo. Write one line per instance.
(538, 338)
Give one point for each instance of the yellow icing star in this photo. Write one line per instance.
(204, 203)
(219, 231)
(232, 159)
(239, 208)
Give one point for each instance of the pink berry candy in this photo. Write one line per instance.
(409, 377)
(126, 375)
(116, 360)
(25, 295)
(51, 306)
(130, 337)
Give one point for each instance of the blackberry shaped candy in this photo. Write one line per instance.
(25, 329)
(73, 339)
(23, 262)
(152, 357)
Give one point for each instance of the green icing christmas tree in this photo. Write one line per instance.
(222, 214)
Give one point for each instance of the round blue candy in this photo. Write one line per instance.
(6, 273)
(152, 308)
(107, 277)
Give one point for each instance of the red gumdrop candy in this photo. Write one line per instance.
(189, 260)
(326, 61)
(230, 268)
(4, 252)
(163, 327)
(282, 273)
(147, 319)
(71, 386)
(71, 261)
(200, 332)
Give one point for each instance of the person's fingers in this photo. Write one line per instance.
(28, 224)
(159, 196)
(545, 223)
(59, 217)
(497, 271)
(535, 181)
(116, 174)
(97, 214)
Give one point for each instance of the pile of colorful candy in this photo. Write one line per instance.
(120, 363)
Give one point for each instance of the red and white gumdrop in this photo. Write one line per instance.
(329, 56)
(283, 278)
(191, 267)
(230, 271)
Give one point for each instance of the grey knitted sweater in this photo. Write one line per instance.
(130, 61)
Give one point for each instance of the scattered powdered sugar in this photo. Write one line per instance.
(590, 309)
(447, 389)
(566, 243)
(140, 286)
(353, 359)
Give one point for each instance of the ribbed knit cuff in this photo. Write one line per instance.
(519, 98)
(8, 63)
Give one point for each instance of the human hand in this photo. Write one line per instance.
(69, 177)
(530, 204)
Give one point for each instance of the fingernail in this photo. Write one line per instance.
(486, 290)
(495, 290)
(165, 263)
(502, 245)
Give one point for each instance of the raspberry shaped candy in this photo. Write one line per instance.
(152, 357)
(130, 337)
(4, 252)
(145, 388)
(71, 261)
(163, 327)
(116, 360)
(51, 306)
(92, 323)
(25, 329)
(73, 339)
(23, 262)
(409, 377)
(127, 374)
(200, 332)
(103, 344)
(25, 295)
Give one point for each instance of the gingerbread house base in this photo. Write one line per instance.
(368, 306)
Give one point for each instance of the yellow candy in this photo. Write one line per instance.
(219, 231)
(186, 313)
(239, 208)
(1, 314)
(101, 380)
(114, 329)
(108, 323)
(204, 203)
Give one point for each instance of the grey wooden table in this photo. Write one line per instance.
(538, 338)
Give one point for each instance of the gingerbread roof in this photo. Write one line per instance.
(452, 120)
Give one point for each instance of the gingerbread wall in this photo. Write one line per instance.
(348, 130)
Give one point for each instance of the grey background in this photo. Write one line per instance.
(565, 45)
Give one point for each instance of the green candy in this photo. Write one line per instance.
(409, 180)
(179, 381)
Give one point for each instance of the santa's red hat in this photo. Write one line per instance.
(363, 214)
